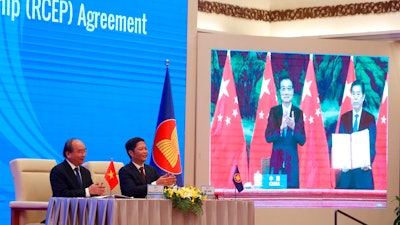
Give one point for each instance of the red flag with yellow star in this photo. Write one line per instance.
(228, 144)
(314, 155)
(111, 176)
(380, 161)
(259, 147)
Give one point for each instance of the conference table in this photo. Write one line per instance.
(121, 211)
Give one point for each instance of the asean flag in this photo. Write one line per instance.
(165, 155)
(237, 180)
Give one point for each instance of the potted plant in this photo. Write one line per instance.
(397, 211)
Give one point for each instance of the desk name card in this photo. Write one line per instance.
(208, 190)
(155, 191)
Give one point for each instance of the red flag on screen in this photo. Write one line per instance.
(228, 145)
(259, 147)
(346, 99)
(314, 155)
(111, 176)
(379, 164)
(345, 106)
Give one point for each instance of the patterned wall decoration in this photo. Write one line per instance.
(299, 13)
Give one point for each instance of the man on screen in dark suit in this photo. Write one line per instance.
(135, 176)
(357, 120)
(285, 130)
(69, 178)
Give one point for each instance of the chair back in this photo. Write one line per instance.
(98, 170)
(32, 183)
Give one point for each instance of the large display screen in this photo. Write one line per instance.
(92, 70)
(245, 88)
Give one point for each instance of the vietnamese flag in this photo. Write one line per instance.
(111, 176)
(228, 145)
(314, 155)
(165, 155)
(259, 147)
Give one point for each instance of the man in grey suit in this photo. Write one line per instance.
(69, 178)
(135, 176)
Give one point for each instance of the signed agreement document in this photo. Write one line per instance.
(351, 151)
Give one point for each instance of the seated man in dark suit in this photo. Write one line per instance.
(135, 176)
(69, 178)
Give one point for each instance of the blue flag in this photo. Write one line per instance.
(237, 180)
(165, 156)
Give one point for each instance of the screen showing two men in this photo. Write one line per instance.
(289, 119)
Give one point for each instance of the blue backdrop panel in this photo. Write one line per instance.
(89, 69)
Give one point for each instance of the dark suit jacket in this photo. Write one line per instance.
(64, 183)
(284, 157)
(358, 178)
(131, 181)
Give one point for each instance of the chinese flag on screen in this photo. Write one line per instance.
(314, 156)
(111, 176)
(346, 100)
(259, 147)
(345, 106)
(228, 146)
(379, 164)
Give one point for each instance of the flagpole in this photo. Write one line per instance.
(111, 160)
(167, 62)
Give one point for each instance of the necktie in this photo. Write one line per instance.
(355, 125)
(78, 176)
(142, 173)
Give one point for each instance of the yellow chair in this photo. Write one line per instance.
(32, 189)
(99, 168)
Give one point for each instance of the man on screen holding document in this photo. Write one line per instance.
(135, 176)
(354, 121)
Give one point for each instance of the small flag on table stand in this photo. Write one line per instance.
(111, 176)
(237, 180)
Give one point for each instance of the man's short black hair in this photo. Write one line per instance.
(131, 144)
(358, 83)
(285, 77)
